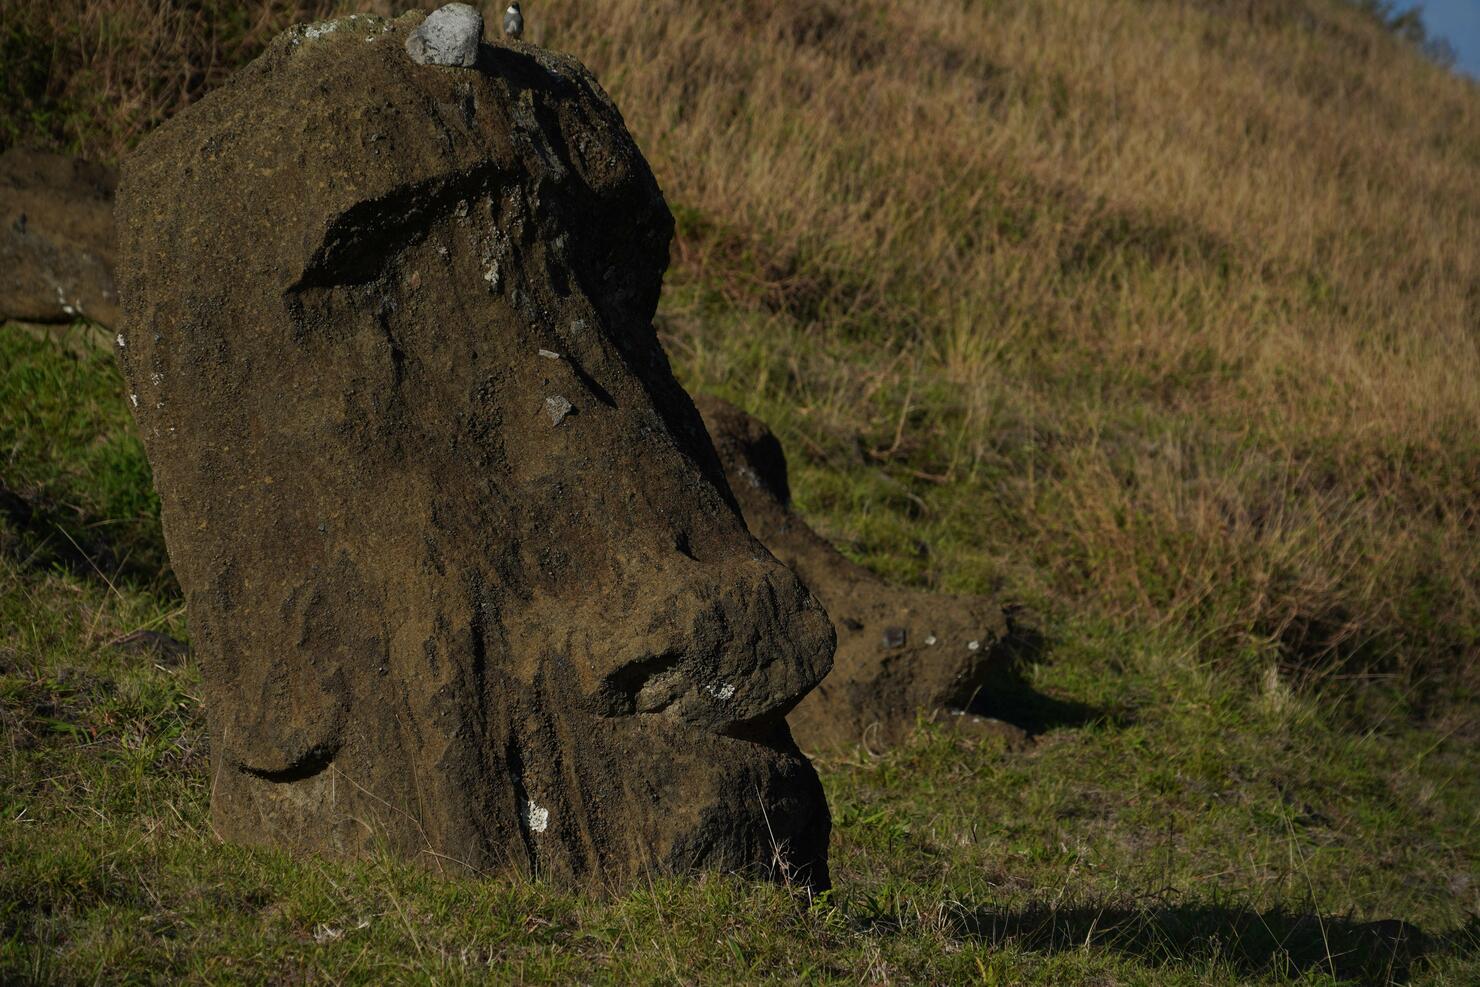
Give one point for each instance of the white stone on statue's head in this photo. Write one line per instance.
(449, 36)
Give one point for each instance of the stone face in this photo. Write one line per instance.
(900, 652)
(56, 238)
(426, 618)
(449, 36)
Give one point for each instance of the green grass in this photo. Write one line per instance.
(68, 441)
(1177, 822)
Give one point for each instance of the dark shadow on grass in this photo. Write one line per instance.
(1009, 697)
(1276, 943)
(41, 535)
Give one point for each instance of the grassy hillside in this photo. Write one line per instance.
(1159, 318)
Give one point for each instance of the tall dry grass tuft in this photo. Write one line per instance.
(1160, 311)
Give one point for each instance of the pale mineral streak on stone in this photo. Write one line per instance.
(557, 407)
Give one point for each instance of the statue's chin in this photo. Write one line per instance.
(759, 810)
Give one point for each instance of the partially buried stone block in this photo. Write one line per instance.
(901, 653)
(56, 238)
(426, 618)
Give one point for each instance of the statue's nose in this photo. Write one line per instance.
(717, 645)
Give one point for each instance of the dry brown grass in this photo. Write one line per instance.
(1163, 312)
(1190, 292)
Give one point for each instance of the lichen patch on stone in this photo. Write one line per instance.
(557, 408)
(536, 817)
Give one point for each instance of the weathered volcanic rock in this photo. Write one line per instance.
(56, 238)
(450, 35)
(431, 614)
(900, 652)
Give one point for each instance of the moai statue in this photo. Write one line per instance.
(459, 559)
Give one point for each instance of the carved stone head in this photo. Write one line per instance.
(463, 569)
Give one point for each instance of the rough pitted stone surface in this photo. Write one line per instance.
(900, 652)
(56, 238)
(427, 619)
(449, 36)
